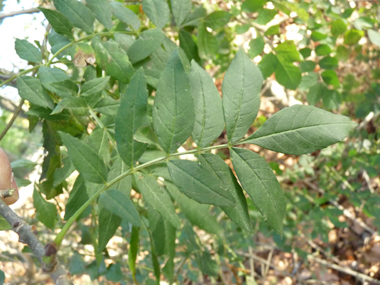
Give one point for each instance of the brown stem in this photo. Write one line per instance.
(45, 254)
(15, 13)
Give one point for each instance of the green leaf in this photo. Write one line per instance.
(207, 43)
(27, 51)
(46, 212)
(125, 15)
(195, 17)
(157, 11)
(62, 173)
(272, 30)
(198, 214)
(114, 272)
(30, 88)
(241, 95)
(251, 6)
(374, 37)
(77, 105)
(207, 265)
(199, 183)
(338, 27)
(256, 47)
(156, 196)
(306, 52)
(85, 159)
(2, 277)
(317, 36)
(131, 116)
(308, 81)
(352, 37)
(113, 59)
(145, 45)
(315, 93)
(94, 86)
(76, 265)
(287, 51)
(77, 13)
(265, 16)
(119, 204)
(209, 122)
(49, 75)
(57, 42)
(65, 88)
(118, 168)
(4, 225)
(239, 212)
(307, 66)
(78, 196)
(173, 110)
(59, 22)
(132, 252)
(330, 77)
(268, 64)
(99, 141)
(259, 181)
(186, 42)
(124, 41)
(328, 62)
(288, 75)
(181, 10)
(217, 19)
(108, 224)
(102, 11)
(241, 29)
(301, 129)
(323, 49)
(342, 53)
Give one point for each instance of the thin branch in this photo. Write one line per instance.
(10, 123)
(15, 13)
(45, 254)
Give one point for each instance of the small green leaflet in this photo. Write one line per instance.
(76, 105)
(268, 64)
(57, 42)
(259, 181)
(27, 51)
(145, 45)
(132, 115)
(77, 13)
(209, 122)
(241, 95)
(4, 225)
(301, 129)
(94, 86)
(217, 19)
(102, 11)
(59, 22)
(173, 110)
(207, 43)
(287, 74)
(256, 47)
(30, 88)
(46, 212)
(181, 10)
(132, 252)
(156, 196)
(49, 75)
(119, 204)
(108, 224)
(64, 89)
(85, 159)
(157, 11)
(113, 59)
(125, 15)
(199, 183)
(78, 196)
(374, 37)
(287, 51)
(187, 44)
(239, 212)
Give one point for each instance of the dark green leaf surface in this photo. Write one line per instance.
(49, 75)
(259, 181)
(108, 224)
(65, 88)
(99, 141)
(59, 22)
(124, 41)
(241, 95)
(308, 81)
(207, 43)
(301, 129)
(288, 75)
(85, 159)
(94, 86)
(330, 77)
(119, 204)
(46, 212)
(323, 49)
(315, 93)
(328, 62)
(30, 88)
(209, 122)
(251, 6)
(181, 10)
(118, 168)
(268, 64)
(217, 19)
(265, 16)
(113, 59)
(157, 197)
(199, 183)
(78, 106)
(157, 11)
(256, 47)
(131, 116)
(102, 11)
(353, 36)
(198, 214)
(173, 110)
(186, 42)
(78, 196)
(27, 51)
(317, 36)
(125, 15)
(239, 212)
(77, 13)
(145, 45)
(57, 42)
(287, 51)
(132, 252)
(338, 27)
